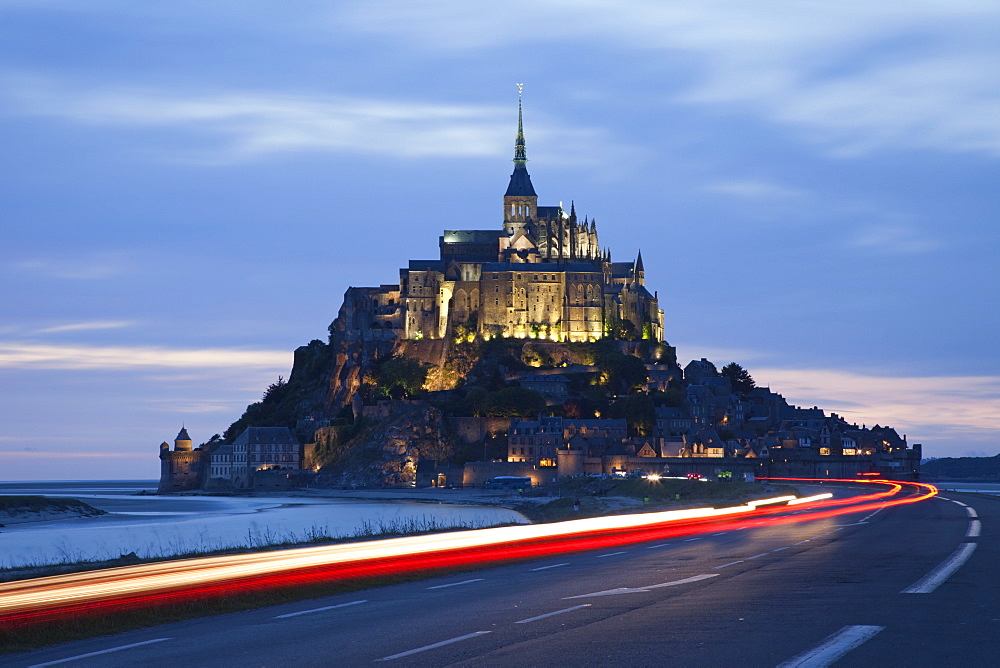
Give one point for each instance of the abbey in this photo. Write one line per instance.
(541, 274)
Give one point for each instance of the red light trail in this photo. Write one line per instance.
(107, 591)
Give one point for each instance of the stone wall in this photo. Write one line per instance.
(477, 473)
(471, 430)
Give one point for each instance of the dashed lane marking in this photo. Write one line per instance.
(802, 541)
(689, 540)
(944, 570)
(971, 511)
(975, 529)
(542, 568)
(610, 554)
(653, 547)
(731, 563)
(99, 653)
(550, 614)
(433, 646)
(779, 549)
(455, 584)
(645, 588)
(758, 556)
(325, 607)
(833, 647)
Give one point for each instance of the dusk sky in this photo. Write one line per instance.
(190, 187)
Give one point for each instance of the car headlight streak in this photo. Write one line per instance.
(42, 599)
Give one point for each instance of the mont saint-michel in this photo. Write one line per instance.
(524, 350)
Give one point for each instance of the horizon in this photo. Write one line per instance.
(191, 190)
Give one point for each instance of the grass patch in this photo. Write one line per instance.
(17, 505)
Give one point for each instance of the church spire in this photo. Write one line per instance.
(520, 156)
(520, 201)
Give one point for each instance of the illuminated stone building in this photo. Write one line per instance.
(183, 468)
(540, 274)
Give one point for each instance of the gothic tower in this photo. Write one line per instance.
(520, 201)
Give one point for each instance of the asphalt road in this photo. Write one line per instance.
(810, 592)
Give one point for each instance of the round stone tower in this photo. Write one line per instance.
(569, 462)
(183, 441)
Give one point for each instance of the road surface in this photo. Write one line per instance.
(911, 585)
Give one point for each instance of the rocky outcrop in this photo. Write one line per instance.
(387, 452)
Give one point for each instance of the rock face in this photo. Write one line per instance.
(387, 451)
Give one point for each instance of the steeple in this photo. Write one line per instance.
(639, 272)
(520, 200)
(520, 155)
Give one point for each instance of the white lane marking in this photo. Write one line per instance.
(610, 554)
(801, 541)
(958, 502)
(868, 517)
(653, 547)
(103, 651)
(721, 533)
(971, 511)
(943, 498)
(975, 528)
(645, 588)
(433, 646)
(325, 607)
(542, 568)
(455, 584)
(779, 549)
(693, 578)
(688, 540)
(550, 614)
(936, 577)
(731, 563)
(834, 647)
(758, 556)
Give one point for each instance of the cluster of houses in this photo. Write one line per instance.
(713, 431)
(259, 458)
(709, 429)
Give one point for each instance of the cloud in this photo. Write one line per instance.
(855, 76)
(250, 125)
(945, 406)
(896, 239)
(86, 326)
(63, 455)
(95, 267)
(37, 356)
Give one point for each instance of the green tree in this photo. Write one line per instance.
(513, 402)
(740, 378)
(640, 414)
(400, 375)
(671, 397)
(624, 373)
